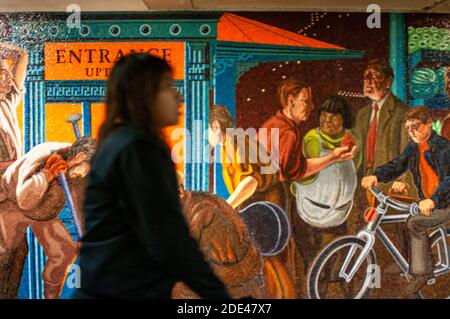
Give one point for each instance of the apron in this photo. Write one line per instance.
(327, 201)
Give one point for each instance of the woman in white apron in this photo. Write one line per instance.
(324, 200)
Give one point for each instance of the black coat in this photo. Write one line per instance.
(438, 156)
(136, 242)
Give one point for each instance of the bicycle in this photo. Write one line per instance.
(339, 265)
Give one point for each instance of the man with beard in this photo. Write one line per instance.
(12, 77)
(30, 196)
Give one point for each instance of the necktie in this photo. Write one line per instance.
(372, 138)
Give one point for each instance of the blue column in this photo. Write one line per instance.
(220, 188)
(87, 127)
(196, 86)
(34, 134)
(398, 51)
(224, 84)
(225, 78)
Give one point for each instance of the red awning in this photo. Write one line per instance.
(235, 28)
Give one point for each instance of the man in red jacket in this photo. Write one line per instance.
(296, 107)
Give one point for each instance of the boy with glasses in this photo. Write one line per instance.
(427, 157)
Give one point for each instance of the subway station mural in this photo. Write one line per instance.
(300, 85)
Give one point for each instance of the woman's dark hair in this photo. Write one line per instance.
(338, 105)
(132, 89)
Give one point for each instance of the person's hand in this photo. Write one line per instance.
(369, 181)
(399, 187)
(342, 153)
(54, 166)
(425, 206)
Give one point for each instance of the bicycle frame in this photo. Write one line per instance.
(443, 266)
(373, 229)
(368, 235)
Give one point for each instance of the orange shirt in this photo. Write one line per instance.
(429, 180)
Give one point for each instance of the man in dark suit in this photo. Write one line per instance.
(381, 137)
(379, 125)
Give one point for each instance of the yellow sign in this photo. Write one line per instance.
(94, 60)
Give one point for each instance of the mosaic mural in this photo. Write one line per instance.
(297, 87)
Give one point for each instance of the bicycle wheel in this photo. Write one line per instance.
(441, 288)
(324, 281)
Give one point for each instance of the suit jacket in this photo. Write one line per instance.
(392, 137)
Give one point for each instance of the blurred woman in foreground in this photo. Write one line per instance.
(136, 242)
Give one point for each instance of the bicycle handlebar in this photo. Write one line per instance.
(413, 208)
